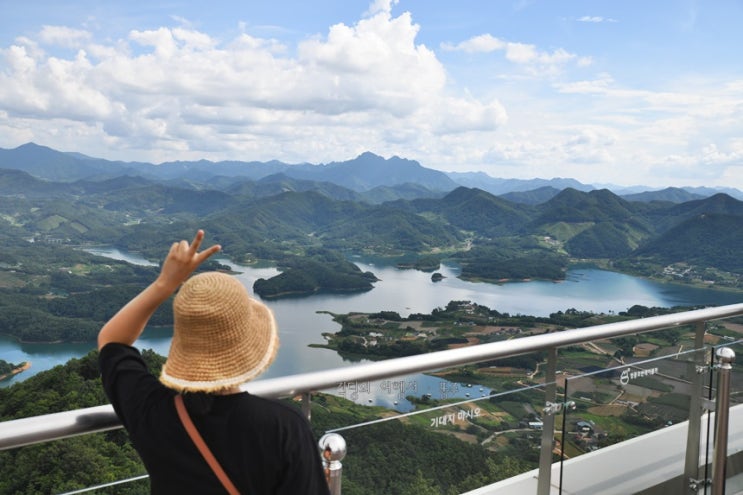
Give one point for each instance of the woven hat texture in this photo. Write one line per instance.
(221, 336)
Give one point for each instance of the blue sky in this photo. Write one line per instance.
(606, 92)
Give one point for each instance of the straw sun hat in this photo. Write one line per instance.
(221, 336)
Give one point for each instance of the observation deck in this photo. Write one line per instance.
(659, 423)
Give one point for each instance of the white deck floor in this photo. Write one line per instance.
(627, 467)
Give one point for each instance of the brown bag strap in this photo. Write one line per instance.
(203, 448)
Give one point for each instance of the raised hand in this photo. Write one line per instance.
(129, 322)
(183, 258)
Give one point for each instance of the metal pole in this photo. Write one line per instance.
(691, 464)
(333, 450)
(726, 357)
(307, 405)
(548, 425)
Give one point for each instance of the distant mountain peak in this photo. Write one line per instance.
(368, 155)
(31, 145)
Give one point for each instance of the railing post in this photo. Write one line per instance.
(699, 363)
(307, 405)
(333, 450)
(548, 425)
(726, 357)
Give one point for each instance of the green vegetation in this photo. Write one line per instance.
(7, 368)
(420, 455)
(603, 240)
(73, 463)
(512, 259)
(431, 459)
(697, 232)
(386, 334)
(426, 263)
(54, 293)
(322, 271)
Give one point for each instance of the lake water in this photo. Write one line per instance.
(404, 291)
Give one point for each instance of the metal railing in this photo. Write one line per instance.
(26, 431)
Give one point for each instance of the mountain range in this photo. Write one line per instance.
(372, 205)
(373, 178)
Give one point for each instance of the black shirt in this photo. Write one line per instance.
(264, 446)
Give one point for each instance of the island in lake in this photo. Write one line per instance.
(323, 271)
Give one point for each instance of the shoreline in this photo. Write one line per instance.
(45, 342)
(663, 279)
(23, 367)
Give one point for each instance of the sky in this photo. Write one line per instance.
(608, 92)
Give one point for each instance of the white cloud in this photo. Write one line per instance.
(182, 21)
(180, 89)
(380, 7)
(64, 36)
(524, 54)
(720, 167)
(596, 19)
(590, 145)
(484, 43)
(452, 116)
(711, 155)
(601, 84)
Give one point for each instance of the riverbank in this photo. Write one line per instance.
(690, 276)
(23, 367)
(45, 342)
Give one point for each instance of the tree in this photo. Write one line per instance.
(421, 486)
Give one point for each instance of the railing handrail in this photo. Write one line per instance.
(26, 431)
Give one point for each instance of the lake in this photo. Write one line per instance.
(403, 291)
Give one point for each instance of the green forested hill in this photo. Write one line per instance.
(281, 183)
(707, 239)
(478, 211)
(386, 230)
(533, 197)
(512, 259)
(286, 216)
(667, 217)
(594, 206)
(14, 181)
(167, 200)
(601, 240)
(669, 194)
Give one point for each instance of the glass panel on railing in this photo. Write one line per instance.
(632, 396)
(435, 434)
